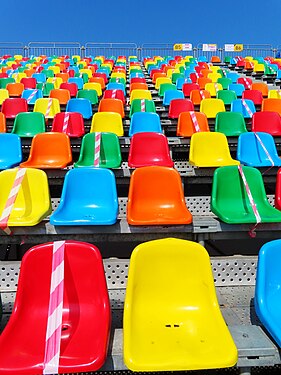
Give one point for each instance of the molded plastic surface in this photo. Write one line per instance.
(80, 105)
(28, 124)
(211, 107)
(75, 126)
(185, 126)
(145, 122)
(107, 122)
(10, 150)
(269, 122)
(178, 106)
(230, 123)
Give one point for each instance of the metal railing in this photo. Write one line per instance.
(54, 48)
(111, 49)
(12, 48)
(161, 49)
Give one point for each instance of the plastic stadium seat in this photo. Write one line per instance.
(173, 277)
(62, 95)
(145, 122)
(75, 125)
(213, 88)
(2, 123)
(160, 80)
(140, 94)
(157, 153)
(63, 76)
(4, 82)
(254, 95)
(93, 86)
(28, 82)
(196, 96)
(40, 77)
(110, 153)
(85, 318)
(186, 127)
(138, 86)
(156, 197)
(12, 106)
(262, 87)
(33, 202)
(15, 89)
(178, 106)
(278, 191)
(99, 80)
(257, 150)
(274, 94)
(10, 150)
(230, 201)
(71, 87)
(188, 87)
(136, 106)
(238, 106)
(31, 95)
(269, 122)
(166, 87)
(28, 124)
(210, 149)
(115, 94)
(233, 76)
(230, 123)
(80, 105)
(88, 197)
(214, 76)
(89, 94)
(238, 88)
(170, 95)
(211, 107)
(246, 82)
(117, 86)
(227, 96)
(271, 105)
(202, 82)
(225, 82)
(49, 150)
(78, 81)
(107, 122)
(41, 105)
(4, 94)
(112, 105)
(45, 87)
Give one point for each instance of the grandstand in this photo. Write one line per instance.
(138, 185)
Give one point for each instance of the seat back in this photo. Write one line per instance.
(271, 105)
(145, 122)
(178, 106)
(269, 122)
(4, 94)
(262, 87)
(89, 197)
(213, 88)
(28, 124)
(80, 105)
(140, 94)
(156, 197)
(93, 86)
(71, 87)
(48, 106)
(112, 105)
(239, 88)
(115, 94)
(227, 96)
(70, 123)
(225, 82)
(12, 106)
(15, 89)
(142, 105)
(188, 87)
(166, 87)
(186, 123)
(244, 106)
(230, 123)
(107, 122)
(211, 107)
(196, 96)
(170, 95)
(63, 95)
(28, 82)
(110, 153)
(254, 95)
(278, 191)
(10, 150)
(160, 80)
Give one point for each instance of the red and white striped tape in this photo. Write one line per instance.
(65, 122)
(48, 111)
(113, 95)
(202, 95)
(142, 105)
(216, 87)
(245, 105)
(31, 96)
(247, 83)
(264, 149)
(195, 121)
(279, 93)
(55, 310)
(97, 149)
(11, 200)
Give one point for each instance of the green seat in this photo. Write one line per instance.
(227, 59)
(110, 154)
(230, 123)
(176, 76)
(88, 94)
(45, 87)
(48, 73)
(225, 82)
(28, 124)
(118, 80)
(136, 106)
(5, 81)
(84, 76)
(230, 201)
(270, 70)
(165, 87)
(227, 96)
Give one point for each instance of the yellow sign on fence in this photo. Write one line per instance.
(238, 47)
(178, 47)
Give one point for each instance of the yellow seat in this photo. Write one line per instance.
(214, 68)
(140, 94)
(107, 65)
(172, 320)
(93, 86)
(57, 81)
(10, 63)
(83, 64)
(86, 71)
(161, 80)
(171, 71)
(213, 87)
(41, 105)
(18, 57)
(214, 76)
(259, 68)
(18, 76)
(210, 149)
(118, 75)
(76, 57)
(4, 94)
(107, 122)
(33, 202)
(211, 107)
(55, 69)
(274, 94)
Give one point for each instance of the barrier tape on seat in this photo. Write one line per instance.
(31, 96)
(247, 83)
(264, 149)
(97, 149)
(50, 101)
(195, 121)
(279, 93)
(202, 95)
(55, 310)
(142, 105)
(114, 93)
(216, 87)
(245, 105)
(11, 201)
(251, 199)
(224, 72)
(65, 122)
(37, 69)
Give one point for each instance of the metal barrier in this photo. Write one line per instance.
(111, 49)
(161, 49)
(255, 50)
(54, 48)
(12, 48)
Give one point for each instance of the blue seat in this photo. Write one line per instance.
(89, 197)
(116, 86)
(239, 88)
(145, 122)
(10, 150)
(278, 76)
(104, 71)
(251, 152)
(170, 95)
(40, 77)
(233, 76)
(267, 292)
(26, 94)
(80, 105)
(188, 71)
(202, 59)
(136, 75)
(181, 81)
(237, 106)
(78, 80)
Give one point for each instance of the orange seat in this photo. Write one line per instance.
(112, 105)
(157, 75)
(63, 95)
(2, 123)
(15, 89)
(205, 72)
(202, 81)
(49, 150)
(156, 197)
(137, 86)
(99, 80)
(271, 105)
(63, 76)
(186, 126)
(215, 59)
(262, 87)
(196, 96)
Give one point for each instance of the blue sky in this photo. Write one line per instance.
(145, 21)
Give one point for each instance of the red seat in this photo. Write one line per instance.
(278, 190)
(188, 87)
(268, 122)
(28, 82)
(247, 82)
(194, 76)
(85, 317)
(254, 95)
(114, 94)
(178, 106)
(71, 87)
(156, 154)
(75, 126)
(137, 80)
(12, 106)
(102, 75)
